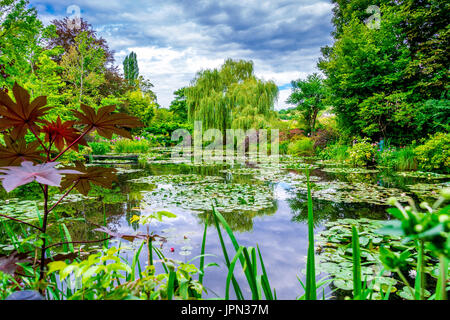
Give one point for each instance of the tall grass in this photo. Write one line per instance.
(249, 262)
(131, 146)
(301, 147)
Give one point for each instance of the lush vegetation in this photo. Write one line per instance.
(380, 105)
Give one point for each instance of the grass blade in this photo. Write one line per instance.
(356, 265)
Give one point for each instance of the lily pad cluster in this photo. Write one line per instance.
(334, 248)
(201, 193)
(358, 192)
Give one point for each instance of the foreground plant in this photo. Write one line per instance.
(24, 162)
(428, 229)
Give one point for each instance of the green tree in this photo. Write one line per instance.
(309, 96)
(141, 105)
(83, 67)
(381, 78)
(130, 68)
(178, 106)
(230, 97)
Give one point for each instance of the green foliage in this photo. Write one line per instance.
(402, 159)
(231, 97)
(99, 148)
(141, 105)
(71, 156)
(130, 67)
(131, 146)
(434, 154)
(104, 276)
(362, 154)
(301, 147)
(336, 151)
(309, 96)
(178, 106)
(383, 80)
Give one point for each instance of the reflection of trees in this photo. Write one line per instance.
(239, 221)
(325, 210)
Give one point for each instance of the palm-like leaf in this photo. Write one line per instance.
(97, 175)
(22, 114)
(106, 122)
(62, 133)
(15, 152)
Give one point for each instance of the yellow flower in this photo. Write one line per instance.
(135, 218)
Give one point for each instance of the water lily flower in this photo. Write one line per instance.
(172, 250)
(27, 172)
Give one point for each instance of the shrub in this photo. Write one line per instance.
(362, 154)
(337, 151)
(99, 148)
(323, 137)
(403, 159)
(283, 147)
(434, 154)
(301, 147)
(71, 156)
(131, 146)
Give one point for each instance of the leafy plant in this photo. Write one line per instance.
(132, 146)
(99, 148)
(38, 161)
(301, 147)
(434, 154)
(362, 153)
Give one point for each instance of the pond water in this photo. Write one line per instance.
(265, 205)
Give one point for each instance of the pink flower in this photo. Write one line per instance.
(172, 250)
(27, 172)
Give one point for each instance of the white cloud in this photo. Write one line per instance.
(174, 39)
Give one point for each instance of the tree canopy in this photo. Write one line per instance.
(231, 97)
(382, 80)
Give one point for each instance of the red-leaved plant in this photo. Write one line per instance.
(22, 163)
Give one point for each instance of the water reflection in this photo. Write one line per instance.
(280, 230)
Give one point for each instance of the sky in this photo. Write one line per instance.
(174, 39)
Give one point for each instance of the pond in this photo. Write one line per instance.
(264, 204)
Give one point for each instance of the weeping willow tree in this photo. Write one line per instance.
(231, 98)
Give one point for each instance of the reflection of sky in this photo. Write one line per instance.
(283, 245)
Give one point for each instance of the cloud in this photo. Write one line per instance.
(174, 39)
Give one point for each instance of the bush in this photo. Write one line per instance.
(323, 137)
(283, 147)
(434, 154)
(99, 148)
(402, 159)
(131, 146)
(301, 147)
(337, 151)
(71, 156)
(362, 154)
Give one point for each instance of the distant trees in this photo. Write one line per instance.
(130, 68)
(309, 96)
(178, 106)
(231, 97)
